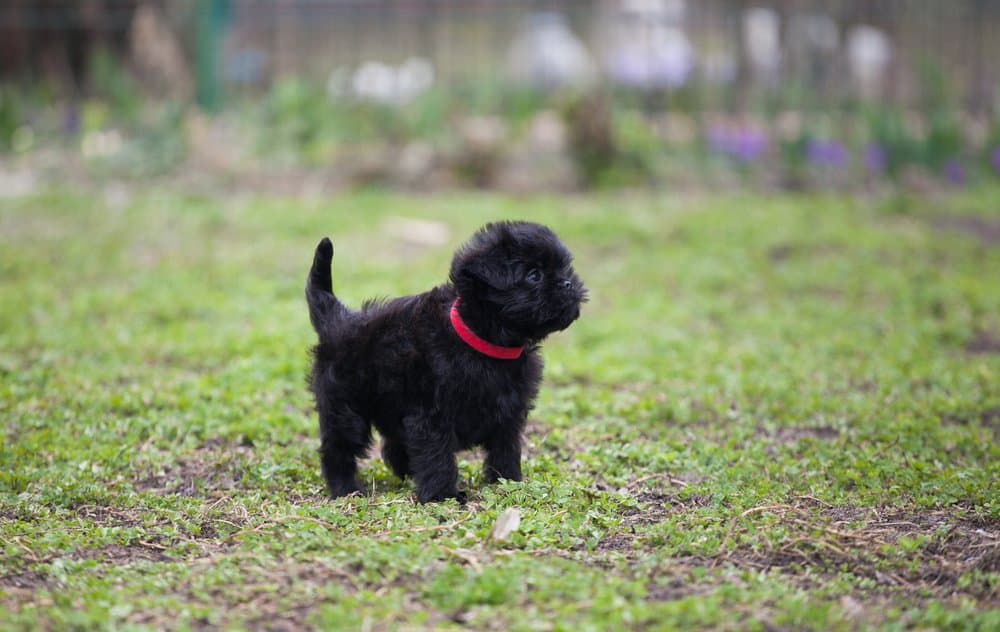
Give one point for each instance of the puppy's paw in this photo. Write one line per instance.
(492, 476)
(441, 495)
(494, 470)
(344, 488)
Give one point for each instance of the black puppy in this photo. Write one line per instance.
(456, 367)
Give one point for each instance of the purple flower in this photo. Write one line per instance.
(671, 72)
(995, 162)
(828, 153)
(748, 145)
(744, 144)
(875, 158)
(954, 172)
(667, 63)
(630, 69)
(71, 119)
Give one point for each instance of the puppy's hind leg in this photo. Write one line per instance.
(345, 438)
(395, 456)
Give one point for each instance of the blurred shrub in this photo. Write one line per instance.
(592, 140)
(519, 105)
(943, 146)
(611, 146)
(11, 117)
(295, 118)
(792, 153)
(893, 145)
(491, 97)
(159, 146)
(638, 150)
(480, 131)
(991, 150)
(481, 146)
(426, 117)
(155, 146)
(300, 122)
(111, 82)
(944, 140)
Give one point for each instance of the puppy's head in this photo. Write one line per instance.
(522, 276)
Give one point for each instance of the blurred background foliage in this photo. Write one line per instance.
(517, 95)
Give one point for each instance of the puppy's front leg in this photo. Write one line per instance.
(503, 454)
(432, 460)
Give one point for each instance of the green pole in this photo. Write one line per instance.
(209, 18)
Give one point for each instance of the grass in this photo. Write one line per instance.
(774, 413)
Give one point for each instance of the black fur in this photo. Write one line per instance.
(398, 365)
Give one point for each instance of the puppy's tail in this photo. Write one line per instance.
(325, 310)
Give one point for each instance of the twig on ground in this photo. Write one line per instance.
(153, 545)
(840, 534)
(279, 520)
(398, 501)
(440, 527)
(816, 500)
(667, 477)
(466, 556)
(752, 510)
(643, 479)
(31, 554)
(818, 542)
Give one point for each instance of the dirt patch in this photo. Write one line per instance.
(9, 515)
(910, 553)
(235, 516)
(920, 553)
(275, 598)
(657, 505)
(674, 578)
(203, 538)
(617, 542)
(216, 466)
(24, 580)
(780, 253)
(31, 579)
(989, 418)
(654, 507)
(674, 588)
(789, 435)
(984, 229)
(122, 555)
(109, 516)
(775, 440)
(983, 343)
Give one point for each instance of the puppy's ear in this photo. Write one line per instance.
(489, 270)
(485, 261)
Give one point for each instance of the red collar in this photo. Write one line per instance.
(477, 343)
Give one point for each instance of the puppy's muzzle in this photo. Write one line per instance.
(571, 291)
(572, 297)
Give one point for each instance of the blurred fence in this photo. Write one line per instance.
(724, 54)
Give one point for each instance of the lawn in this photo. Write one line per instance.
(775, 412)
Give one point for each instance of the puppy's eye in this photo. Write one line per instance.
(534, 276)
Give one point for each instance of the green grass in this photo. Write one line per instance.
(774, 413)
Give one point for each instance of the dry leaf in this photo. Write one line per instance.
(506, 523)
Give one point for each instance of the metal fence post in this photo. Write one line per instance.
(210, 17)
